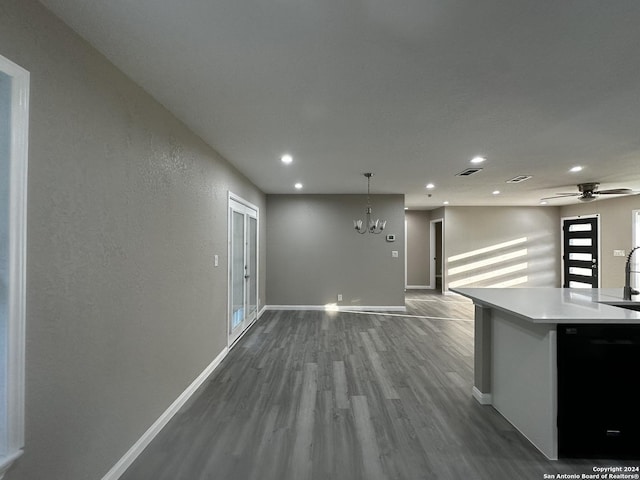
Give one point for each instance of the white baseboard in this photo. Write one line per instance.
(340, 308)
(482, 398)
(418, 287)
(128, 458)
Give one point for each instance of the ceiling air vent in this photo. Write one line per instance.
(468, 171)
(519, 178)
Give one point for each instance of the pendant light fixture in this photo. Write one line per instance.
(369, 225)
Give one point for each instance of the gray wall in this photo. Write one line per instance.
(467, 229)
(313, 252)
(418, 244)
(615, 233)
(126, 210)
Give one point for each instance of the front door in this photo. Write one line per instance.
(580, 252)
(243, 267)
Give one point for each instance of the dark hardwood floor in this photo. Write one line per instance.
(348, 396)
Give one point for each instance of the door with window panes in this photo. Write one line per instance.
(243, 267)
(580, 252)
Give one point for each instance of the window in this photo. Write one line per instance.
(14, 110)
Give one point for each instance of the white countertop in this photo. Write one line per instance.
(557, 305)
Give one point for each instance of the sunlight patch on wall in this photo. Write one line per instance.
(489, 275)
(489, 261)
(491, 248)
(510, 283)
(500, 265)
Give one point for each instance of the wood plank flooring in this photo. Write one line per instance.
(348, 396)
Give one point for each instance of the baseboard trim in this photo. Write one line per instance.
(128, 458)
(340, 308)
(482, 398)
(418, 287)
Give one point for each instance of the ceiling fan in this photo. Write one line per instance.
(589, 191)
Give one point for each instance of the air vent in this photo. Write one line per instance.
(519, 178)
(468, 171)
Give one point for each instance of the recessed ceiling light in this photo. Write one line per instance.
(446, 202)
(406, 208)
(577, 168)
(478, 159)
(286, 159)
(496, 192)
(298, 186)
(543, 202)
(430, 185)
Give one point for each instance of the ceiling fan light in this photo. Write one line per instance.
(586, 198)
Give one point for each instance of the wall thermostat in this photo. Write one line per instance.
(391, 238)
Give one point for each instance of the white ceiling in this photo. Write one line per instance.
(410, 90)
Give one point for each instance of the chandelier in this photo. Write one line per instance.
(369, 225)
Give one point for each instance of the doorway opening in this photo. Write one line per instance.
(436, 248)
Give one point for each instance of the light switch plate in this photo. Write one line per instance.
(394, 253)
(215, 260)
(618, 253)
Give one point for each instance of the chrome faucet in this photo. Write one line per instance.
(628, 291)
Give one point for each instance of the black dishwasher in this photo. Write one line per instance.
(599, 391)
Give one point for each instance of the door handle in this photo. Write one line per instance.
(247, 276)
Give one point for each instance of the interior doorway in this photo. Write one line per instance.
(243, 266)
(436, 249)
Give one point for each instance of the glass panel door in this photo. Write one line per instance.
(252, 261)
(243, 268)
(237, 269)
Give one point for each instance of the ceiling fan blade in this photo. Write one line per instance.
(614, 191)
(562, 195)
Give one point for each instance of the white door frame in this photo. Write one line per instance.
(432, 253)
(574, 217)
(237, 203)
(12, 390)
(635, 241)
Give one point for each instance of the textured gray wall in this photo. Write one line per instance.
(418, 244)
(467, 229)
(615, 233)
(313, 252)
(126, 209)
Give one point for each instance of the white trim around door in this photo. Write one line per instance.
(598, 250)
(14, 83)
(243, 266)
(432, 253)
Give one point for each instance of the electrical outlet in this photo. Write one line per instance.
(339, 297)
(394, 253)
(618, 253)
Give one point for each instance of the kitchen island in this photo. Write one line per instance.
(515, 354)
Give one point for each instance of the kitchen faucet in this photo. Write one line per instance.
(628, 291)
